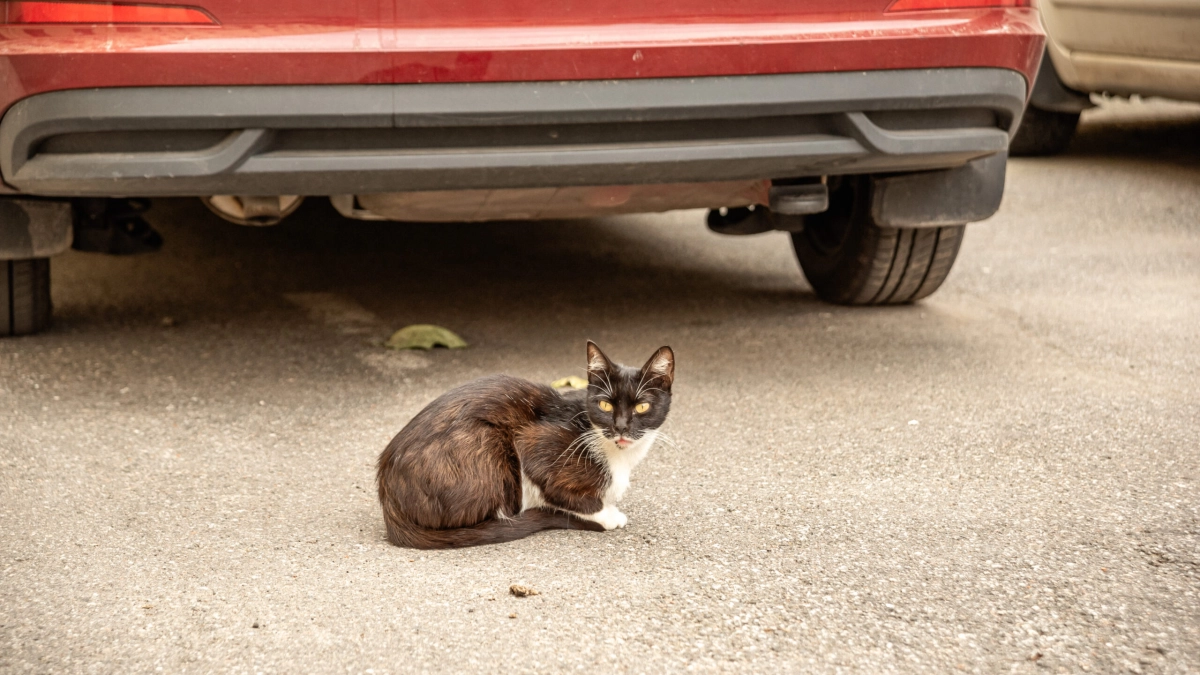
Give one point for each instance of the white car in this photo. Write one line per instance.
(1122, 47)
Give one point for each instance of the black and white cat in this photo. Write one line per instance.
(500, 458)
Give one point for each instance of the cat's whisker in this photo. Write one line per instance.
(587, 442)
(666, 438)
(588, 446)
(596, 448)
(644, 388)
(607, 383)
(667, 442)
(578, 447)
(606, 389)
(567, 450)
(570, 450)
(641, 383)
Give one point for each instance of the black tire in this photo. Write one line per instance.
(1043, 132)
(851, 261)
(24, 296)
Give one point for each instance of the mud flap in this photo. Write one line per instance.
(34, 228)
(965, 194)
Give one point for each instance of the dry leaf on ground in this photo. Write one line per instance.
(572, 382)
(424, 336)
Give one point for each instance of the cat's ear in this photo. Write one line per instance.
(597, 362)
(661, 366)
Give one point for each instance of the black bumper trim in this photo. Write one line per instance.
(796, 125)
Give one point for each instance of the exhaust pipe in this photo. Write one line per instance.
(252, 211)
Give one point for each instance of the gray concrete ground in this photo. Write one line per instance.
(1002, 478)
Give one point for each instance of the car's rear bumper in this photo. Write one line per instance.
(357, 139)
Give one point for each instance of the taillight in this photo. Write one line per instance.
(101, 13)
(913, 5)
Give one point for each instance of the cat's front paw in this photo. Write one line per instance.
(610, 518)
(621, 520)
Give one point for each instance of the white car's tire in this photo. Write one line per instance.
(24, 296)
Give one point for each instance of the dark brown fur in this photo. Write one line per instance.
(452, 476)
(445, 476)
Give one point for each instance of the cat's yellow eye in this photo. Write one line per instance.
(641, 408)
(605, 406)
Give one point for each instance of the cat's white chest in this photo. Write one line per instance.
(621, 463)
(531, 494)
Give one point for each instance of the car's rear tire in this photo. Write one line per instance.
(849, 260)
(1043, 132)
(24, 296)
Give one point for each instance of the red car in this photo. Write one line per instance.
(872, 130)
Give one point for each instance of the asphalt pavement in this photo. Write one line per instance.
(1002, 478)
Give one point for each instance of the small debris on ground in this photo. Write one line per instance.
(169, 322)
(572, 382)
(424, 336)
(523, 591)
(513, 615)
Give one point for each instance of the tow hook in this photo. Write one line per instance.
(788, 205)
(799, 200)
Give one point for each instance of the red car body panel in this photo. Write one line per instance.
(787, 48)
(519, 109)
(310, 42)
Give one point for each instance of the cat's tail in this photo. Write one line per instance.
(401, 532)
